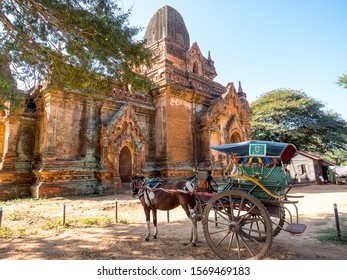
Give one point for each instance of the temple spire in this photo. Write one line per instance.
(240, 88)
(240, 91)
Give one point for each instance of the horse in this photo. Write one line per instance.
(167, 196)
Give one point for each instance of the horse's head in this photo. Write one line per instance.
(136, 184)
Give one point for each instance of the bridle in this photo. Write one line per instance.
(135, 190)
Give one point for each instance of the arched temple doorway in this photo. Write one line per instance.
(125, 165)
(235, 138)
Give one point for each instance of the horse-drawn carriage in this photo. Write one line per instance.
(240, 217)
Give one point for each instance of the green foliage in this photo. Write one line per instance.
(78, 45)
(329, 235)
(338, 157)
(17, 215)
(54, 223)
(90, 222)
(6, 233)
(9, 233)
(342, 81)
(8, 92)
(20, 232)
(286, 115)
(124, 221)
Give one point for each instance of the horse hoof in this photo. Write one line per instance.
(193, 245)
(155, 237)
(146, 238)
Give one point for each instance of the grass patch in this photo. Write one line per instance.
(6, 233)
(89, 222)
(329, 235)
(123, 221)
(53, 224)
(21, 232)
(22, 215)
(100, 222)
(321, 223)
(9, 233)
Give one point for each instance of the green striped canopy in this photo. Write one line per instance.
(259, 150)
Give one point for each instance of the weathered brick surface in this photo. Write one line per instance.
(71, 144)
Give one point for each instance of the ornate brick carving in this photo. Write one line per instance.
(65, 143)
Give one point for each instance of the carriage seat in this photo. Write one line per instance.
(267, 176)
(274, 179)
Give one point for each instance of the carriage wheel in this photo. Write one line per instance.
(237, 226)
(277, 224)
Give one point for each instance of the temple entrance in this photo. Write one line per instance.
(125, 165)
(235, 138)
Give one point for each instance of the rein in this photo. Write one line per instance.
(168, 190)
(141, 191)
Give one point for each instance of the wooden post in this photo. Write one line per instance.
(63, 214)
(116, 210)
(337, 222)
(0, 216)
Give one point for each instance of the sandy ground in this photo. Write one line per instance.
(37, 233)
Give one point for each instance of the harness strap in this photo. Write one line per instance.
(148, 196)
(168, 190)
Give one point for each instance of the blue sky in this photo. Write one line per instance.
(267, 44)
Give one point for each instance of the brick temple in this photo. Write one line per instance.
(64, 143)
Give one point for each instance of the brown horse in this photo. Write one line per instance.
(166, 196)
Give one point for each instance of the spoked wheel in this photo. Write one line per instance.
(237, 226)
(276, 221)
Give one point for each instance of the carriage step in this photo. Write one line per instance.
(296, 228)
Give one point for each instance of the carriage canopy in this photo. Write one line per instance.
(258, 151)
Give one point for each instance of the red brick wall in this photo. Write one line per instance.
(179, 129)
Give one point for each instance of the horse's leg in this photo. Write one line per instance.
(194, 232)
(148, 222)
(154, 213)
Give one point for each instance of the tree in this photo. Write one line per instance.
(79, 45)
(342, 81)
(8, 90)
(338, 157)
(286, 115)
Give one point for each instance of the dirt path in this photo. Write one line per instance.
(37, 234)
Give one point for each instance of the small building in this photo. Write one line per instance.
(307, 168)
(337, 174)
